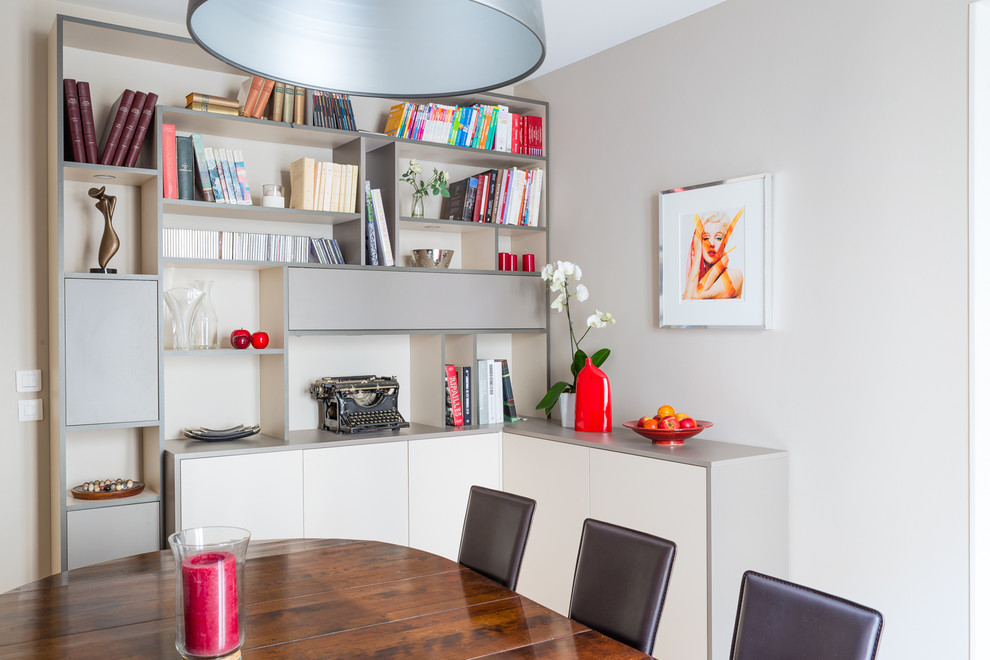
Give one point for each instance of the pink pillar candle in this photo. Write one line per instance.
(209, 587)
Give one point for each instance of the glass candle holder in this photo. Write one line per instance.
(274, 195)
(209, 590)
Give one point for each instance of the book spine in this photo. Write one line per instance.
(88, 125)
(214, 174)
(242, 181)
(230, 176)
(508, 402)
(385, 246)
(371, 246)
(74, 120)
(205, 100)
(483, 395)
(455, 412)
(251, 99)
(262, 105)
(289, 104)
(130, 126)
(170, 175)
(144, 122)
(495, 410)
(466, 390)
(299, 106)
(184, 156)
(223, 168)
(205, 185)
(278, 100)
(217, 109)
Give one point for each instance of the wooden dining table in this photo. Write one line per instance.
(306, 598)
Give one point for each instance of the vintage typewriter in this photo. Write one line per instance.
(353, 404)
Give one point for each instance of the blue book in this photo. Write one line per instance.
(466, 389)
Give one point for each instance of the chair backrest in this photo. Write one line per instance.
(496, 527)
(620, 582)
(777, 619)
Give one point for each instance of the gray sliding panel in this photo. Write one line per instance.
(387, 299)
(111, 351)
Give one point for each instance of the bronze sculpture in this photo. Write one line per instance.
(110, 243)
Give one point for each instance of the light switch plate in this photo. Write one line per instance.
(29, 380)
(30, 410)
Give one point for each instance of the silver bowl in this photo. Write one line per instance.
(432, 258)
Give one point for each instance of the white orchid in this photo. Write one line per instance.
(559, 277)
(435, 185)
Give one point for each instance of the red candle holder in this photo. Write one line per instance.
(529, 262)
(513, 262)
(503, 261)
(209, 590)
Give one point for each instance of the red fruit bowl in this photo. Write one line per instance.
(668, 436)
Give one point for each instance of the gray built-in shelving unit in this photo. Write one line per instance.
(119, 390)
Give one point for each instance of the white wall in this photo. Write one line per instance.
(859, 109)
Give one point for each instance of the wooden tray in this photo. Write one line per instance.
(81, 494)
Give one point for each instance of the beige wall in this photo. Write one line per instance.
(859, 109)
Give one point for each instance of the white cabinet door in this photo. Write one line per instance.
(357, 492)
(669, 500)
(441, 473)
(262, 493)
(111, 351)
(555, 474)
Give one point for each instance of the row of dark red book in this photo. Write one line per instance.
(123, 135)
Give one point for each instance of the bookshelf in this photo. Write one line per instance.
(322, 319)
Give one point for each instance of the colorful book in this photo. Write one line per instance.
(228, 178)
(202, 171)
(242, 182)
(214, 175)
(381, 226)
(130, 127)
(88, 125)
(248, 96)
(466, 390)
(170, 174)
(371, 244)
(74, 121)
(262, 105)
(144, 122)
(508, 402)
(452, 394)
(185, 165)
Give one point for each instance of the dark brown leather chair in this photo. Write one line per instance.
(496, 527)
(620, 582)
(778, 620)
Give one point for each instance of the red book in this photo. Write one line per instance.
(479, 197)
(74, 120)
(147, 112)
(115, 125)
(130, 126)
(455, 414)
(250, 93)
(536, 136)
(88, 125)
(263, 96)
(515, 142)
(170, 170)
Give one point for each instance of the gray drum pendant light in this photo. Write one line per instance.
(389, 48)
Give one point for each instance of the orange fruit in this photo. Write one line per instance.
(665, 411)
(680, 416)
(649, 423)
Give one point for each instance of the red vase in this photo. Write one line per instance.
(593, 409)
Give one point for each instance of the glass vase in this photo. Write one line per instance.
(209, 590)
(417, 206)
(203, 327)
(593, 408)
(182, 303)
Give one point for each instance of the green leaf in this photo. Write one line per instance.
(579, 360)
(550, 399)
(600, 356)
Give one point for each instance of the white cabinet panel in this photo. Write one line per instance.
(668, 500)
(262, 493)
(441, 473)
(357, 492)
(97, 535)
(111, 351)
(556, 476)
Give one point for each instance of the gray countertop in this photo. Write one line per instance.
(695, 451)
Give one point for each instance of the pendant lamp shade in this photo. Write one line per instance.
(388, 48)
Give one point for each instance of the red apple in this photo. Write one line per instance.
(240, 338)
(259, 339)
(669, 423)
(688, 423)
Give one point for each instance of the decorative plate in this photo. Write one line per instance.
(668, 437)
(221, 435)
(81, 494)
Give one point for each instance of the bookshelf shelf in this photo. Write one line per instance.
(323, 319)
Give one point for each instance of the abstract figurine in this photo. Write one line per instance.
(110, 243)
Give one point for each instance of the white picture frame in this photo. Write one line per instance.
(715, 254)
